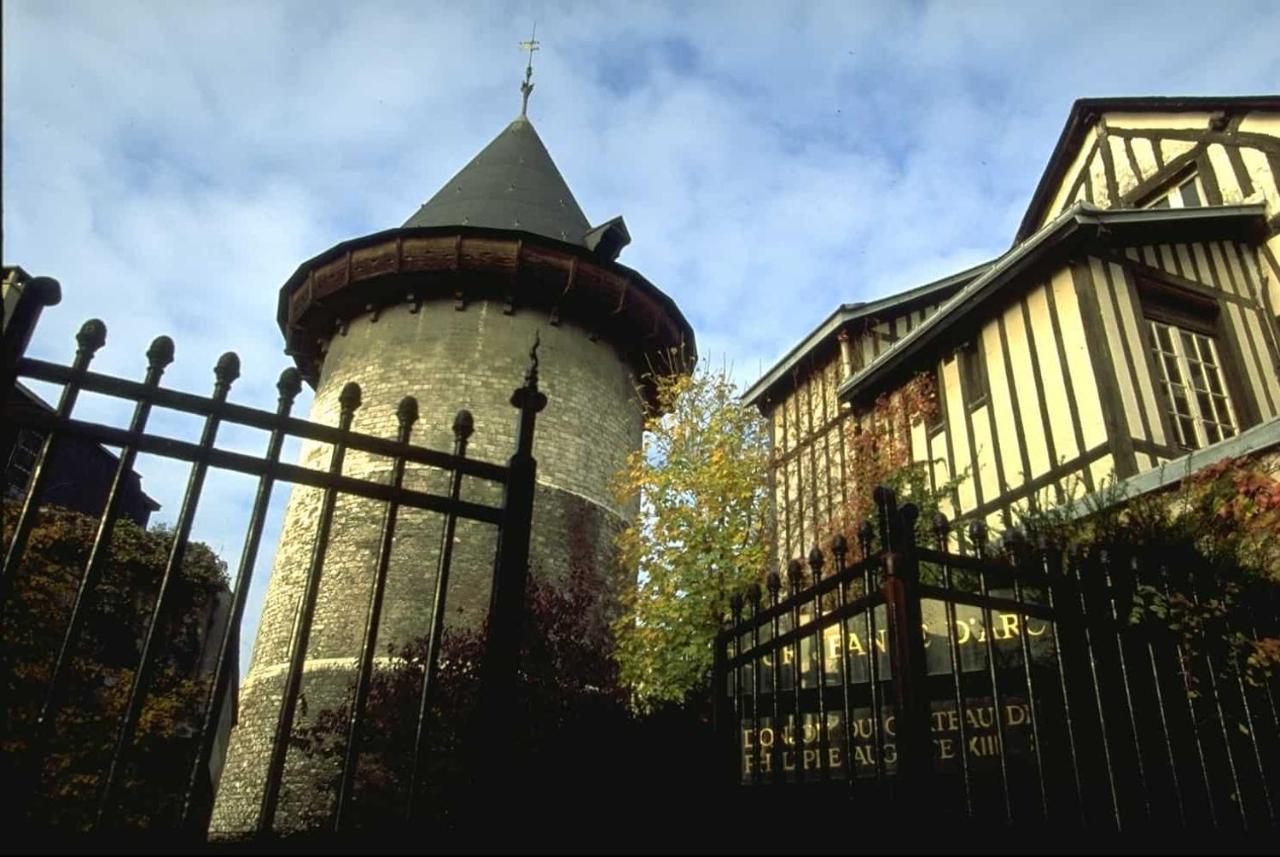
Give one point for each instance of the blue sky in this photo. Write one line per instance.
(172, 163)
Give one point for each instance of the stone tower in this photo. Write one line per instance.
(445, 308)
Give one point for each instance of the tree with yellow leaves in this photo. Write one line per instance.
(701, 534)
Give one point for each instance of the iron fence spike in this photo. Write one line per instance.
(349, 398)
(407, 411)
(289, 385)
(464, 425)
(160, 354)
(227, 369)
(92, 335)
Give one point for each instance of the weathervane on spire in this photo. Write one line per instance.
(527, 87)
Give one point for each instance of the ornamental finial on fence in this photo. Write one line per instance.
(886, 511)
(349, 398)
(407, 411)
(866, 535)
(227, 369)
(528, 397)
(464, 425)
(977, 532)
(91, 336)
(909, 514)
(839, 549)
(941, 529)
(816, 561)
(1013, 544)
(795, 574)
(160, 354)
(289, 385)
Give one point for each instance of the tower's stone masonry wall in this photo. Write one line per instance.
(447, 359)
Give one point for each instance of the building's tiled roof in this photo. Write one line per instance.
(511, 184)
(1085, 111)
(1081, 221)
(933, 292)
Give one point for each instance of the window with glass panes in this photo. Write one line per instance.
(22, 459)
(1191, 374)
(1187, 193)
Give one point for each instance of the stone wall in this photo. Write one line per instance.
(448, 359)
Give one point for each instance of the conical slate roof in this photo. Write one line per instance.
(511, 184)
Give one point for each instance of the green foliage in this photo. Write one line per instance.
(567, 696)
(700, 481)
(1220, 530)
(878, 451)
(102, 666)
(911, 484)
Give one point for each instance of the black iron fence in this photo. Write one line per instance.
(512, 518)
(1018, 686)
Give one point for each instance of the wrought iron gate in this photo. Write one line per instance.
(1020, 688)
(512, 517)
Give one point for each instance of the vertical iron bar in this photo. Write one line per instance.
(1060, 604)
(289, 385)
(1086, 624)
(815, 566)
(225, 373)
(794, 577)
(406, 416)
(349, 401)
(1271, 704)
(1269, 680)
(735, 605)
(1109, 595)
(34, 294)
(873, 657)
(507, 596)
(90, 338)
(1024, 639)
(1135, 570)
(753, 596)
(1185, 670)
(774, 584)
(159, 355)
(1222, 717)
(941, 530)
(1164, 716)
(721, 727)
(901, 589)
(978, 538)
(840, 548)
(1252, 735)
(463, 427)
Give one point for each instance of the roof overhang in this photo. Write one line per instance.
(767, 386)
(414, 265)
(1086, 111)
(1251, 442)
(1075, 228)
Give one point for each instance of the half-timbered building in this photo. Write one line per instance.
(1132, 323)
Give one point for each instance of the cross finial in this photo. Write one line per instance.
(527, 87)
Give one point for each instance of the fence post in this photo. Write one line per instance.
(901, 590)
(506, 599)
(1085, 740)
(20, 322)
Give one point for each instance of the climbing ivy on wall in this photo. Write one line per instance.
(102, 666)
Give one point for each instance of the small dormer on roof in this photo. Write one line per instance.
(608, 239)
